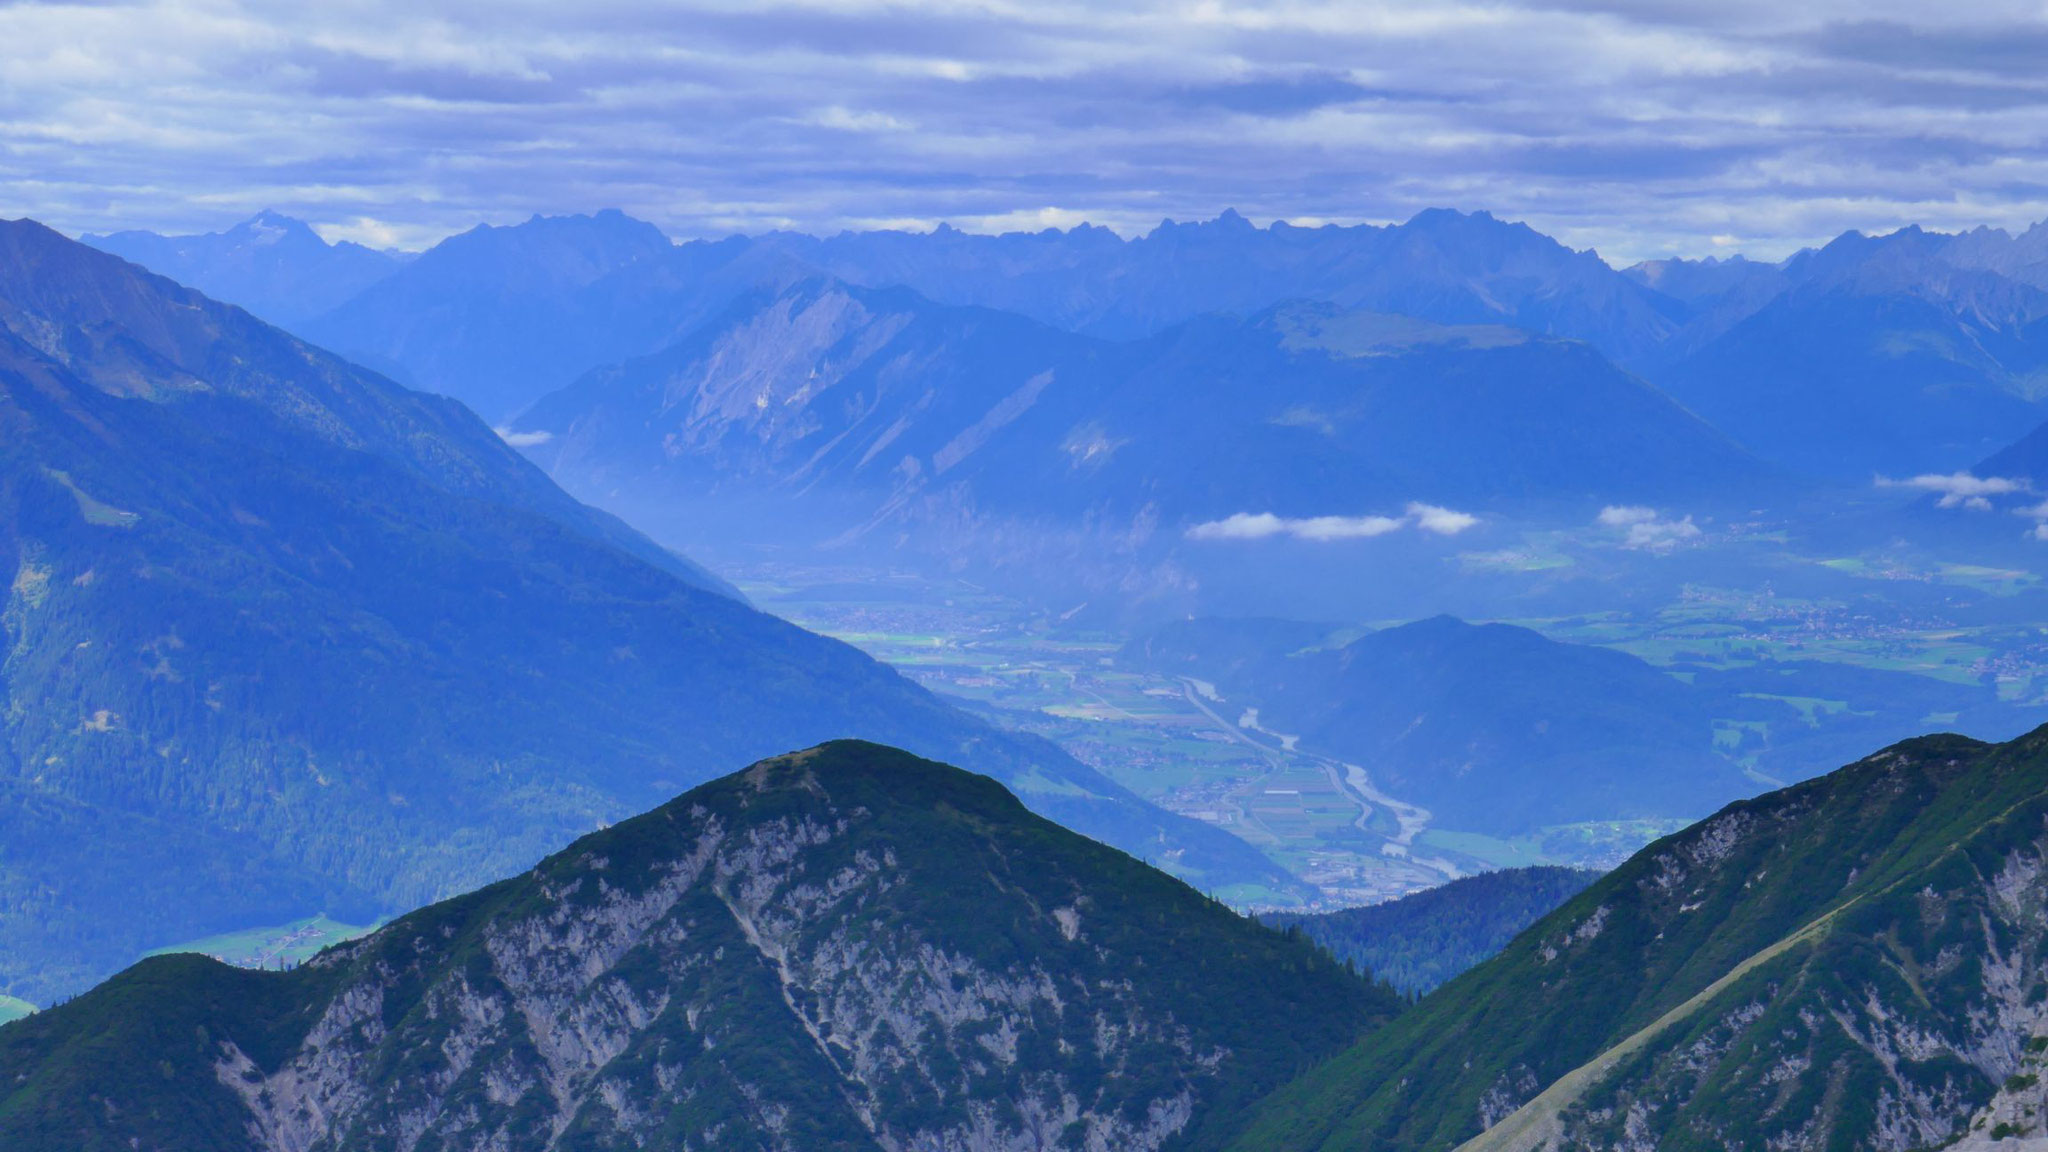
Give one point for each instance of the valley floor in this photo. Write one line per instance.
(1173, 740)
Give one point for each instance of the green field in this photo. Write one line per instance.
(273, 945)
(1596, 844)
(12, 1008)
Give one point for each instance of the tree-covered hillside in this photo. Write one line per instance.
(1419, 941)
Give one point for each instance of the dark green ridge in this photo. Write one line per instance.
(1899, 847)
(974, 874)
(1419, 941)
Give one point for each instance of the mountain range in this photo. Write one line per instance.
(845, 948)
(281, 636)
(275, 266)
(1891, 356)
(1886, 355)
(877, 407)
(853, 948)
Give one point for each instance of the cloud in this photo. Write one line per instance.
(1647, 529)
(1343, 527)
(1442, 521)
(1642, 129)
(1324, 529)
(1960, 489)
(523, 439)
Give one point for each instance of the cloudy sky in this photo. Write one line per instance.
(1641, 127)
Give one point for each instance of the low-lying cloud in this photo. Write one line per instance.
(1647, 529)
(1960, 489)
(1429, 518)
(523, 439)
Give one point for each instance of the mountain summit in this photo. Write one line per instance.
(272, 264)
(847, 948)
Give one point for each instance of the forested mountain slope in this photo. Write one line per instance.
(1418, 942)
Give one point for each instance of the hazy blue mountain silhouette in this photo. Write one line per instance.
(489, 316)
(893, 407)
(281, 635)
(1887, 355)
(271, 264)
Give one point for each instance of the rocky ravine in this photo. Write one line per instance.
(844, 948)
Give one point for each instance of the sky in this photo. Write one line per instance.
(1641, 128)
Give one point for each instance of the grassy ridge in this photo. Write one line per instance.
(1937, 814)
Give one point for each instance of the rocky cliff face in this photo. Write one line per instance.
(844, 948)
(1857, 962)
(1912, 1014)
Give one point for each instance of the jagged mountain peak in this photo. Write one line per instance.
(273, 264)
(272, 227)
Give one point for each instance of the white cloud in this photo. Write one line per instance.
(1960, 489)
(523, 439)
(1442, 521)
(1623, 515)
(1642, 129)
(1344, 527)
(1647, 529)
(1323, 529)
(1241, 526)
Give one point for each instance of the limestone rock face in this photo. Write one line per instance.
(842, 948)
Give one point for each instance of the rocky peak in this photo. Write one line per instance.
(847, 947)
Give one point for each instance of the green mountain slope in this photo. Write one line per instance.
(1418, 942)
(1860, 961)
(279, 637)
(845, 948)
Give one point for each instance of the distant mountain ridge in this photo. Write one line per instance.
(280, 636)
(1424, 939)
(890, 411)
(273, 265)
(1894, 355)
(591, 290)
(844, 948)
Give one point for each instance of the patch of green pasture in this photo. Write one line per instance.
(1810, 708)
(1492, 851)
(266, 946)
